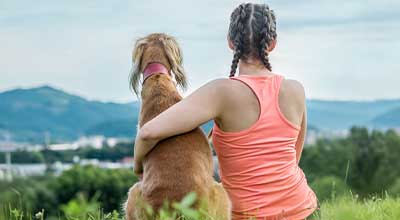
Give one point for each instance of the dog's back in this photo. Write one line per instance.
(179, 164)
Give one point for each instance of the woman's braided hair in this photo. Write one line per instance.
(251, 30)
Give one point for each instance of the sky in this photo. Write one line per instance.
(339, 50)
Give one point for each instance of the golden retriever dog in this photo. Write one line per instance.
(179, 164)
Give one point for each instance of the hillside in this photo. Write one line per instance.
(344, 114)
(27, 114)
(388, 119)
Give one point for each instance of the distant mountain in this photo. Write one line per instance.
(27, 114)
(388, 120)
(344, 114)
(114, 128)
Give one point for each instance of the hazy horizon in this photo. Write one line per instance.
(126, 102)
(338, 53)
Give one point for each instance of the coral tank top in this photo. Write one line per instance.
(258, 165)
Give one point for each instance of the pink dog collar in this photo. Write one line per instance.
(154, 68)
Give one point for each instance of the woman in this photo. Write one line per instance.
(260, 124)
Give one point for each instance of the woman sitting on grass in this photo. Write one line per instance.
(260, 124)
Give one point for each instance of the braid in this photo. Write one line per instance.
(237, 28)
(252, 29)
(235, 61)
(265, 38)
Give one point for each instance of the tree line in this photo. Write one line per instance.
(365, 163)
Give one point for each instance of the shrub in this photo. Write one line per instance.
(328, 187)
(395, 188)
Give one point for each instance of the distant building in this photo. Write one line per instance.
(127, 160)
(313, 135)
(92, 141)
(9, 146)
(23, 170)
(84, 141)
(62, 147)
(112, 142)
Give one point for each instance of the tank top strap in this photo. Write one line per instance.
(254, 85)
(264, 87)
(277, 81)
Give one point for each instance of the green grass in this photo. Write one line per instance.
(351, 208)
(342, 208)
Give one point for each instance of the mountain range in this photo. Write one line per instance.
(26, 115)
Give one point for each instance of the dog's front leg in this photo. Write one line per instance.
(219, 203)
(134, 204)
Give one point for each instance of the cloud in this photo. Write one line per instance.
(338, 50)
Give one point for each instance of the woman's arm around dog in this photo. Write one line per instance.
(204, 104)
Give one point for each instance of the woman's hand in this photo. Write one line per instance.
(138, 168)
(143, 144)
(137, 161)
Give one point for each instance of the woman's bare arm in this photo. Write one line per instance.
(301, 109)
(292, 101)
(301, 137)
(199, 107)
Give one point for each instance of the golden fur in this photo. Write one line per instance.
(179, 164)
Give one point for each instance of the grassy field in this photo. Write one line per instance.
(350, 208)
(343, 208)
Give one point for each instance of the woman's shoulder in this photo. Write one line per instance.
(217, 90)
(292, 93)
(293, 88)
(225, 90)
(222, 85)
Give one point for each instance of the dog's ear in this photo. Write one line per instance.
(175, 58)
(136, 64)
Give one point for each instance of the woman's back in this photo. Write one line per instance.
(256, 148)
(243, 103)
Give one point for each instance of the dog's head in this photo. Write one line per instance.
(157, 48)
